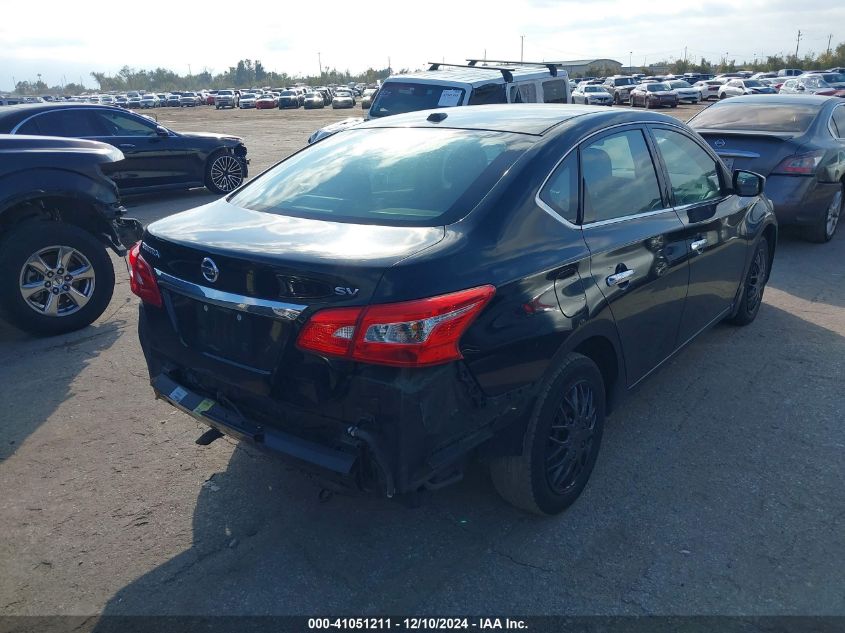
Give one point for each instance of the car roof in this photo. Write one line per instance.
(476, 75)
(533, 118)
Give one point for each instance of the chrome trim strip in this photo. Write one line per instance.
(737, 153)
(625, 218)
(242, 303)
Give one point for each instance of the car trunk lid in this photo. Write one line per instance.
(757, 151)
(238, 283)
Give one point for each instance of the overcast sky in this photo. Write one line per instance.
(65, 41)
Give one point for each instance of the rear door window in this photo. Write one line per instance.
(69, 122)
(487, 94)
(839, 121)
(561, 190)
(619, 177)
(554, 91)
(524, 93)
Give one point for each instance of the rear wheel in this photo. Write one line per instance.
(55, 277)
(825, 228)
(755, 284)
(223, 173)
(561, 442)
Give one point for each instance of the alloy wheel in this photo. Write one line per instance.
(833, 213)
(57, 281)
(571, 437)
(756, 280)
(226, 173)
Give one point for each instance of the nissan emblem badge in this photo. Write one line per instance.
(209, 269)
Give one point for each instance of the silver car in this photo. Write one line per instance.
(825, 84)
(343, 99)
(685, 92)
(591, 94)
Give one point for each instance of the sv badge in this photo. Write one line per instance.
(345, 292)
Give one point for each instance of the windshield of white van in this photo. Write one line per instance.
(397, 97)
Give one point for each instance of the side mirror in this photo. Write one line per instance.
(162, 131)
(747, 183)
(800, 88)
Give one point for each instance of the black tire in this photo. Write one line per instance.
(27, 240)
(755, 284)
(524, 480)
(223, 173)
(825, 227)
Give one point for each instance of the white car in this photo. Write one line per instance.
(684, 91)
(591, 94)
(248, 100)
(738, 87)
(708, 88)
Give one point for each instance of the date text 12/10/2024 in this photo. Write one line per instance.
(412, 624)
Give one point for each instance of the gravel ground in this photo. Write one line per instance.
(718, 489)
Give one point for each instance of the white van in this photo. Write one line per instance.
(478, 82)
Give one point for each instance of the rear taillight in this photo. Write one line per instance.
(415, 333)
(800, 164)
(142, 281)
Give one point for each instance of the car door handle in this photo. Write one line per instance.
(618, 278)
(126, 146)
(697, 245)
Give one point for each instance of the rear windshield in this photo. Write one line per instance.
(398, 97)
(397, 176)
(756, 117)
(624, 81)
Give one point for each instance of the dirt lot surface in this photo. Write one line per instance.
(718, 488)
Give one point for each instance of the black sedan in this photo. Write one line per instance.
(797, 142)
(653, 95)
(478, 282)
(288, 99)
(155, 158)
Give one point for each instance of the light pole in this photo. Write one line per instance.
(630, 61)
(521, 47)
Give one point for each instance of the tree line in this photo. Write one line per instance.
(248, 73)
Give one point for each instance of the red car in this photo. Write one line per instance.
(209, 97)
(266, 102)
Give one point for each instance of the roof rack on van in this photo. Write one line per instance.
(552, 66)
(506, 72)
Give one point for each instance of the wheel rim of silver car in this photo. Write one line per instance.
(571, 437)
(57, 281)
(226, 173)
(833, 213)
